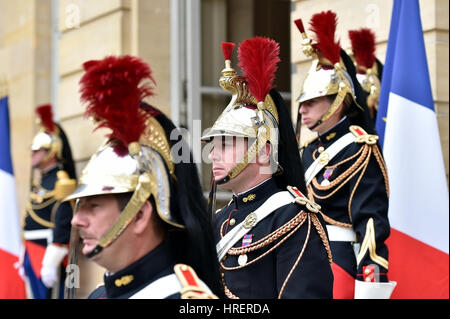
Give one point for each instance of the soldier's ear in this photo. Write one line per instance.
(143, 218)
(264, 156)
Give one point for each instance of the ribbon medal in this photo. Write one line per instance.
(326, 176)
(246, 240)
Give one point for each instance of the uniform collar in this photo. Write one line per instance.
(131, 279)
(340, 129)
(256, 195)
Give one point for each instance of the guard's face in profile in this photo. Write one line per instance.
(226, 153)
(37, 157)
(93, 218)
(312, 110)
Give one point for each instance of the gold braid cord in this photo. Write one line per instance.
(284, 232)
(41, 221)
(287, 229)
(359, 166)
(38, 201)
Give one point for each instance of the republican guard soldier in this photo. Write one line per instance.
(140, 211)
(47, 221)
(345, 171)
(271, 240)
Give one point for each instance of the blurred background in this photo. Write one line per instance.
(43, 44)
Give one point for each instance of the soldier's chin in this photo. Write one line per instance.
(219, 175)
(87, 248)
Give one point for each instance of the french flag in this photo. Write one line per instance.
(407, 126)
(11, 284)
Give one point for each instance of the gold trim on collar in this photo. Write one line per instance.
(249, 198)
(124, 280)
(330, 136)
(369, 243)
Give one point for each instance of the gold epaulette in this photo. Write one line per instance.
(301, 199)
(192, 287)
(362, 136)
(64, 185)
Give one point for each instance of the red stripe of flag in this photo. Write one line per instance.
(420, 270)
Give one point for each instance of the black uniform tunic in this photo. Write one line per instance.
(311, 276)
(358, 199)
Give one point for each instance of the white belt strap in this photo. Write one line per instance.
(326, 156)
(338, 233)
(160, 288)
(274, 202)
(39, 234)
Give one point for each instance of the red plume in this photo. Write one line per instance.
(299, 25)
(227, 49)
(45, 113)
(324, 26)
(113, 91)
(258, 58)
(363, 44)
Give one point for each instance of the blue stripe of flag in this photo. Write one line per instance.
(5, 146)
(405, 72)
(410, 77)
(387, 72)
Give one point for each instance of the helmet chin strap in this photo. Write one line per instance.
(316, 125)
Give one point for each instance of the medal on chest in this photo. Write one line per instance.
(326, 176)
(246, 240)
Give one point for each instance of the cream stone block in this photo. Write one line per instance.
(69, 104)
(94, 40)
(442, 65)
(153, 46)
(20, 59)
(82, 138)
(442, 118)
(74, 13)
(16, 21)
(442, 14)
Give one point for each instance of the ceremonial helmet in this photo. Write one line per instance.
(47, 136)
(138, 158)
(328, 74)
(52, 138)
(368, 69)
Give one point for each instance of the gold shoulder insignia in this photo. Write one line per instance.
(64, 185)
(301, 199)
(192, 287)
(362, 136)
(330, 136)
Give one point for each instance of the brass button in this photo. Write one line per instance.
(232, 221)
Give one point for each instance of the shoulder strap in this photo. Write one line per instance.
(274, 202)
(192, 286)
(326, 156)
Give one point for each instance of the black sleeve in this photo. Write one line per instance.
(63, 216)
(369, 209)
